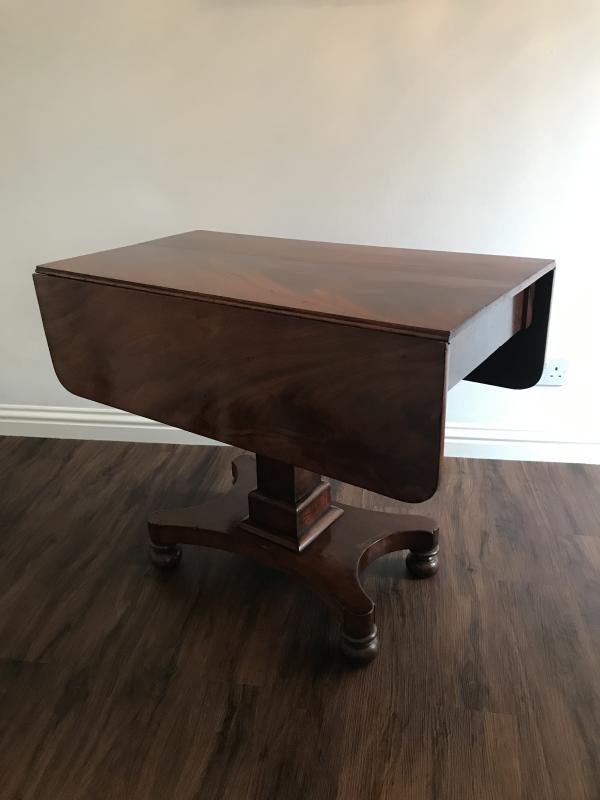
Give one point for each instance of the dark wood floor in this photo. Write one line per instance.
(222, 680)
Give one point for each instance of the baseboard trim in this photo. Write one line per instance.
(101, 424)
(462, 440)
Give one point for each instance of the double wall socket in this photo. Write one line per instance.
(555, 372)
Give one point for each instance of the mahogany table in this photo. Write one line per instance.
(321, 359)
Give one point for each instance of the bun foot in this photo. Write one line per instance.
(423, 565)
(165, 556)
(360, 651)
(333, 562)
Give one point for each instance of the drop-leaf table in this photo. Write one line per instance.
(320, 358)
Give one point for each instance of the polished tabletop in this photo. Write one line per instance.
(431, 293)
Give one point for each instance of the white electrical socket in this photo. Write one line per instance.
(555, 372)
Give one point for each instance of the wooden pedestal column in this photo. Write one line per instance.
(288, 522)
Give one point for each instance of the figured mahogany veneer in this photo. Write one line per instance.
(421, 291)
(321, 358)
(334, 358)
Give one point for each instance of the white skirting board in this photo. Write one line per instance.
(462, 440)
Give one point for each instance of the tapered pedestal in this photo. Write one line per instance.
(329, 560)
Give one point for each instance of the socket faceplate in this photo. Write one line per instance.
(555, 372)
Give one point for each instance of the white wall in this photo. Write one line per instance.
(451, 124)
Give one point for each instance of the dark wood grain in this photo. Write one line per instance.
(288, 505)
(333, 358)
(345, 542)
(118, 682)
(364, 406)
(421, 291)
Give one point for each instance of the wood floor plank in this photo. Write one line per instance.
(222, 679)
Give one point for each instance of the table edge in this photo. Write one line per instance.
(340, 319)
